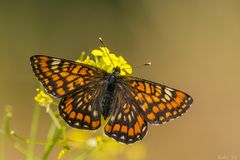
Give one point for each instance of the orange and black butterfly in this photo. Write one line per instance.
(88, 92)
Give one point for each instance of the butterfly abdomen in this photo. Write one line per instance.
(108, 96)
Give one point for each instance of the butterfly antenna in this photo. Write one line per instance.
(146, 64)
(142, 65)
(101, 40)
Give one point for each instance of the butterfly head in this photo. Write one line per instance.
(116, 70)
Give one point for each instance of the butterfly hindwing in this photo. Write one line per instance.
(158, 103)
(81, 108)
(125, 125)
(60, 76)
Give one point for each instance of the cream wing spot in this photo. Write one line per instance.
(79, 99)
(170, 89)
(89, 108)
(129, 118)
(164, 100)
(54, 67)
(168, 92)
(122, 137)
(64, 115)
(56, 62)
(132, 113)
(119, 116)
(124, 118)
(112, 118)
(55, 59)
(84, 107)
(167, 97)
(56, 71)
(95, 113)
(144, 128)
(80, 104)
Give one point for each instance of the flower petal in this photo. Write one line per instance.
(97, 52)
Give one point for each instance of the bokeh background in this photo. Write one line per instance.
(194, 46)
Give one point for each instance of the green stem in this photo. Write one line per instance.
(55, 103)
(9, 134)
(20, 149)
(5, 129)
(53, 117)
(53, 136)
(82, 56)
(33, 133)
(84, 155)
(27, 141)
(2, 147)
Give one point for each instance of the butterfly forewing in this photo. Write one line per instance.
(60, 76)
(158, 103)
(125, 125)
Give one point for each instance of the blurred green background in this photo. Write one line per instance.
(194, 46)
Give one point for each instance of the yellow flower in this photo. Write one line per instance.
(78, 138)
(106, 60)
(42, 98)
(92, 142)
(62, 153)
(89, 61)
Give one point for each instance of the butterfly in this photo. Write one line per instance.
(88, 93)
